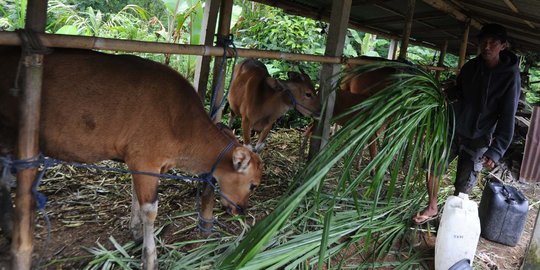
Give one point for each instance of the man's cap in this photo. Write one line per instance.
(493, 30)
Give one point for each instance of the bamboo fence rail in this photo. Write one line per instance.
(99, 43)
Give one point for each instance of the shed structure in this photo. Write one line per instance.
(444, 25)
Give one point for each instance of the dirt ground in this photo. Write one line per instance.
(85, 208)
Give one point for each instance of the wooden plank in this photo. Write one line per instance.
(530, 171)
(532, 255)
(407, 30)
(28, 143)
(202, 67)
(339, 20)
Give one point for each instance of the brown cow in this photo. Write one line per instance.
(354, 89)
(98, 106)
(260, 99)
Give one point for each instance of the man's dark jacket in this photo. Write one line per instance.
(487, 100)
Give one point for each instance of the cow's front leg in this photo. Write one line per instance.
(246, 132)
(136, 224)
(206, 219)
(146, 189)
(262, 138)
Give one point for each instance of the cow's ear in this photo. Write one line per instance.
(275, 84)
(295, 76)
(241, 158)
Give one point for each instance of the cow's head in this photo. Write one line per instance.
(301, 93)
(238, 177)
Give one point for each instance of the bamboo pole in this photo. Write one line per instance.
(202, 69)
(97, 43)
(220, 71)
(463, 48)
(407, 30)
(27, 143)
(392, 49)
(441, 59)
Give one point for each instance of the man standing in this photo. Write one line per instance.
(487, 93)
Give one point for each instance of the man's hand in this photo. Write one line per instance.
(488, 163)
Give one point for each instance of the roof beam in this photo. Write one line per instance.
(451, 9)
(501, 11)
(356, 3)
(391, 10)
(399, 18)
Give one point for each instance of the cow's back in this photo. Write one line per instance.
(248, 85)
(98, 106)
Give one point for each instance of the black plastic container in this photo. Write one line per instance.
(503, 213)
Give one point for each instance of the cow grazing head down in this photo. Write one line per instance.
(302, 93)
(154, 122)
(239, 179)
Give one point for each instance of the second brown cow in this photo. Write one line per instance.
(260, 99)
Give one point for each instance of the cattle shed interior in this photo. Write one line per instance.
(446, 25)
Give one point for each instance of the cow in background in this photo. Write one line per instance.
(353, 90)
(260, 100)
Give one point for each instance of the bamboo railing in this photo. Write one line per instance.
(99, 43)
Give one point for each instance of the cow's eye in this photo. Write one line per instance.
(252, 187)
(309, 95)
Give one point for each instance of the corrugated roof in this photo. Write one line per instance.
(435, 21)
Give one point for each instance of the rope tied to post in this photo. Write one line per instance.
(30, 44)
(228, 43)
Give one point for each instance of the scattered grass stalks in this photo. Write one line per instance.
(334, 216)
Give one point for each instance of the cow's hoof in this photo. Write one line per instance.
(137, 233)
(259, 147)
(249, 146)
(149, 260)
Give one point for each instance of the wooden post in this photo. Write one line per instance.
(463, 48)
(406, 31)
(392, 49)
(532, 255)
(27, 144)
(441, 59)
(530, 171)
(223, 33)
(202, 69)
(339, 21)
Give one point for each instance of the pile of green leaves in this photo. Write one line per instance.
(307, 228)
